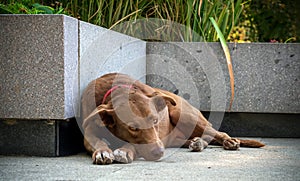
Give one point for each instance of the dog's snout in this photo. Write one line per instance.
(158, 152)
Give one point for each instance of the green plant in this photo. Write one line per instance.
(29, 7)
(228, 59)
(193, 14)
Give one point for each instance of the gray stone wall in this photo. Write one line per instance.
(47, 61)
(266, 75)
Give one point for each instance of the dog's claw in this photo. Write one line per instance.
(123, 155)
(231, 144)
(103, 158)
(197, 144)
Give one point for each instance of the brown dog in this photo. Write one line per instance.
(140, 121)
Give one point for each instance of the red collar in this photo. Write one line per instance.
(114, 88)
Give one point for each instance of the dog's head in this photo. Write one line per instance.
(136, 118)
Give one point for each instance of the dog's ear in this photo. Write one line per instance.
(102, 115)
(159, 103)
(165, 96)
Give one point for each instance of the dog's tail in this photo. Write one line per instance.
(251, 143)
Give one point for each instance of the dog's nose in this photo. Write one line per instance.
(158, 152)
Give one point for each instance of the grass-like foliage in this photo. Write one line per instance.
(192, 14)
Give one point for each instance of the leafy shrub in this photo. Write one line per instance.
(273, 20)
(28, 7)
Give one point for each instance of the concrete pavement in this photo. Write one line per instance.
(279, 160)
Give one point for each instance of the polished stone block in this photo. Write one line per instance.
(38, 65)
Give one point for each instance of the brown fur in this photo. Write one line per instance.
(141, 121)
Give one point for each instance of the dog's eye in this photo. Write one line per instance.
(132, 128)
(155, 121)
(134, 131)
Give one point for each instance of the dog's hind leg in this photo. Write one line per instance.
(192, 123)
(196, 144)
(214, 136)
(178, 139)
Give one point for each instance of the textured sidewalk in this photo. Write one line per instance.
(278, 160)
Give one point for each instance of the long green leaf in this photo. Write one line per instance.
(228, 59)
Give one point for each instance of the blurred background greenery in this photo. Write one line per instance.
(239, 21)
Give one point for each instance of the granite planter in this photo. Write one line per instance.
(47, 61)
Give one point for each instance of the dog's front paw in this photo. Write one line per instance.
(197, 144)
(103, 157)
(123, 155)
(231, 144)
